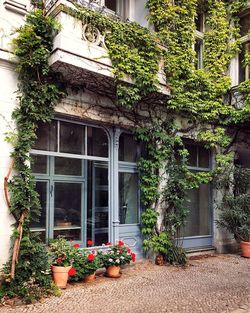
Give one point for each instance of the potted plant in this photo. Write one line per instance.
(235, 209)
(85, 263)
(112, 257)
(61, 253)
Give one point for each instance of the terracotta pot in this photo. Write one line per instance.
(60, 275)
(245, 249)
(90, 278)
(113, 271)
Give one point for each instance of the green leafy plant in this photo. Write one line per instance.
(235, 207)
(116, 255)
(85, 262)
(62, 252)
(33, 277)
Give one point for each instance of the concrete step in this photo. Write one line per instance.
(200, 251)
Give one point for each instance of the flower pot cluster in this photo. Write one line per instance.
(70, 262)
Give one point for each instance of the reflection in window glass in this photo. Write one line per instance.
(68, 166)
(97, 142)
(198, 220)
(39, 164)
(127, 148)
(244, 71)
(46, 136)
(72, 138)
(97, 202)
(67, 210)
(128, 198)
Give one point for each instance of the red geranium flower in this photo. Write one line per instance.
(120, 243)
(108, 244)
(89, 242)
(72, 271)
(76, 245)
(91, 257)
(120, 251)
(133, 257)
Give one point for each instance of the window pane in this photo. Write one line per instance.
(199, 22)
(46, 136)
(198, 220)
(111, 4)
(97, 142)
(97, 202)
(67, 210)
(39, 164)
(127, 148)
(41, 188)
(198, 53)
(128, 198)
(72, 138)
(192, 158)
(203, 157)
(68, 166)
(244, 25)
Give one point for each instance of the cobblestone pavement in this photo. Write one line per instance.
(214, 284)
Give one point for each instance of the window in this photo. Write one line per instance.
(70, 162)
(198, 46)
(199, 218)
(129, 151)
(244, 71)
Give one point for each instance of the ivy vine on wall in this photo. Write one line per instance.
(197, 95)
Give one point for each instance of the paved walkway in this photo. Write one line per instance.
(214, 284)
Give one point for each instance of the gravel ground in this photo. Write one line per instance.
(214, 284)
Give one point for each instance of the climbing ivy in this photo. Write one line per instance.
(197, 95)
(38, 92)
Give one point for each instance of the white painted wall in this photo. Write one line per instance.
(9, 21)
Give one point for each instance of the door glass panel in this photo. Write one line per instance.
(72, 139)
(97, 202)
(97, 142)
(46, 136)
(38, 164)
(128, 198)
(68, 166)
(199, 219)
(67, 210)
(39, 223)
(127, 148)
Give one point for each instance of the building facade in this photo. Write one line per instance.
(85, 161)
